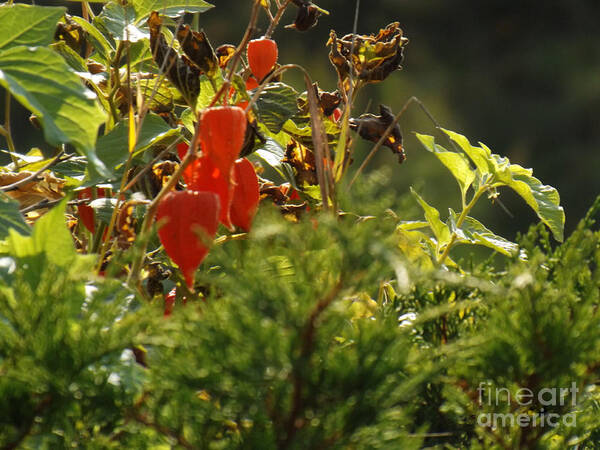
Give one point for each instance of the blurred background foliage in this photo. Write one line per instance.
(522, 77)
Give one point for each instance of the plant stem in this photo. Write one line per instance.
(5, 131)
(276, 19)
(463, 215)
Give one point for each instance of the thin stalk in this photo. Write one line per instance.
(5, 130)
(277, 18)
(463, 215)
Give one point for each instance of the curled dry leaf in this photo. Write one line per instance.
(369, 58)
(372, 128)
(44, 187)
(196, 46)
(224, 54)
(180, 71)
(303, 161)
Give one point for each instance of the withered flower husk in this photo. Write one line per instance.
(307, 16)
(371, 128)
(224, 54)
(328, 101)
(369, 58)
(196, 46)
(303, 161)
(71, 33)
(180, 71)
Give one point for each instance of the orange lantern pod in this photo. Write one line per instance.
(187, 218)
(222, 132)
(207, 177)
(262, 56)
(245, 197)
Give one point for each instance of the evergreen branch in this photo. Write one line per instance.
(306, 349)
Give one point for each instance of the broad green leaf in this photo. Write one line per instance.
(104, 208)
(474, 232)
(171, 8)
(275, 105)
(120, 21)
(75, 61)
(272, 153)
(417, 247)
(31, 26)
(11, 218)
(112, 148)
(456, 163)
(432, 215)
(207, 91)
(50, 236)
(478, 155)
(158, 97)
(543, 199)
(43, 82)
(410, 225)
(188, 118)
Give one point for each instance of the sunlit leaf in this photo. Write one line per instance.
(276, 104)
(432, 215)
(456, 163)
(11, 218)
(171, 8)
(28, 25)
(43, 82)
(474, 232)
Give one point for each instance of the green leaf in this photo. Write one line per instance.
(171, 8)
(120, 21)
(50, 236)
(432, 215)
(276, 104)
(207, 91)
(71, 57)
(104, 207)
(478, 155)
(543, 199)
(474, 232)
(112, 148)
(11, 218)
(31, 26)
(272, 153)
(456, 163)
(43, 82)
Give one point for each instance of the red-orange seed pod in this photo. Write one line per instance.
(86, 212)
(262, 56)
(189, 217)
(222, 132)
(245, 198)
(206, 176)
